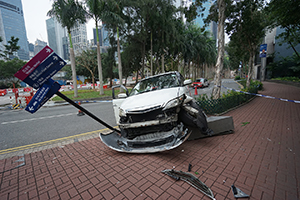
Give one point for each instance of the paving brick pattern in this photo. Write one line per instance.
(261, 157)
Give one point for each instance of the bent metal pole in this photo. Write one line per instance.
(86, 111)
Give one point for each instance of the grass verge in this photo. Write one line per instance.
(84, 94)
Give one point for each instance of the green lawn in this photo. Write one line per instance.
(86, 94)
(83, 94)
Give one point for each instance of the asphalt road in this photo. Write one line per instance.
(229, 83)
(19, 127)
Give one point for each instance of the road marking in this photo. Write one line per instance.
(39, 118)
(39, 144)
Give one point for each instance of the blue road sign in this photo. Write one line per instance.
(45, 71)
(263, 50)
(48, 89)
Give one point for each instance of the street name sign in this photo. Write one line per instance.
(37, 73)
(33, 63)
(48, 89)
(44, 71)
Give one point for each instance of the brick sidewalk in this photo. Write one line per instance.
(261, 158)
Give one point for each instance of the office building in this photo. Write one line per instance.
(79, 38)
(2, 35)
(38, 46)
(103, 38)
(12, 23)
(56, 38)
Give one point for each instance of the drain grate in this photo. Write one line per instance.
(191, 179)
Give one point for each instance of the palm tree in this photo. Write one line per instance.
(68, 13)
(113, 21)
(98, 9)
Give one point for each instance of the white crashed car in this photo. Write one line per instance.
(155, 116)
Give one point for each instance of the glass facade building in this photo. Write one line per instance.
(212, 28)
(56, 34)
(103, 36)
(13, 24)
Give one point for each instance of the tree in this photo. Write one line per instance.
(217, 14)
(8, 69)
(216, 92)
(113, 22)
(69, 13)
(95, 10)
(247, 28)
(11, 47)
(100, 10)
(87, 59)
(285, 14)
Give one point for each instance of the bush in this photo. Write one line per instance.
(229, 100)
(237, 78)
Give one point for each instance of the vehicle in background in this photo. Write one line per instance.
(200, 83)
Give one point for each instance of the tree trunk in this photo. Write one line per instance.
(216, 92)
(100, 69)
(74, 75)
(73, 66)
(250, 68)
(151, 59)
(119, 61)
(143, 60)
(163, 63)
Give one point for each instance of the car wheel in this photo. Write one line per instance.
(195, 120)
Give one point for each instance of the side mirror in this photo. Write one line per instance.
(187, 82)
(122, 96)
(116, 86)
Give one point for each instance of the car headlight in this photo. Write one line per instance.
(122, 113)
(174, 102)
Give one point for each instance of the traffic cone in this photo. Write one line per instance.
(196, 91)
(80, 113)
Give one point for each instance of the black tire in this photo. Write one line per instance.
(198, 121)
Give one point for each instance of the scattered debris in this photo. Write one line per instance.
(190, 179)
(196, 173)
(237, 193)
(269, 139)
(245, 123)
(190, 167)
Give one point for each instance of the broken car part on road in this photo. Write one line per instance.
(190, 179)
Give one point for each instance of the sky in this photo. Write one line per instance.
(35, 16)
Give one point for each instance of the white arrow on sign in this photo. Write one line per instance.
(55, 58)
(61, 63)
(48, 50)
(31, 108)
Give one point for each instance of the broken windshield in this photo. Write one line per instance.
(155, 83)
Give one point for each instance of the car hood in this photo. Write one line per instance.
(150, 99)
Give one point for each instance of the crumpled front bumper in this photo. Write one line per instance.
(150, 143)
